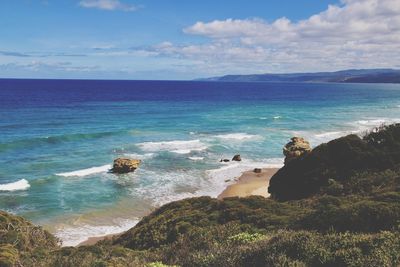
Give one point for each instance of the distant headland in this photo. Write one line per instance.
(343, 76)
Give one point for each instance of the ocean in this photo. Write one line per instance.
(58, 138)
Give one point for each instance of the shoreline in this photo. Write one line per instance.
(248, 184)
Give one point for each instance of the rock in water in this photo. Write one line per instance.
(236, 158)
(224, 160)
(295, 148)
(122, 165)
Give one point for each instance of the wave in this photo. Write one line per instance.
(238, 136)
(178, 146)
(367, 124)
(39, 141)
(18, 185)
(162, 187)
(359, 127)
(331, 134)
(86, 172)
(196, 158)
(371, 122)
(234, 170)
(139, 156)
(76, 234)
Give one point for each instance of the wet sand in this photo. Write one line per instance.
(250, 184)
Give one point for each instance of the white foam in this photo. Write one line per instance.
(330, 134)
(165, 186)
(238, 136)
(371, 122)
(18, 185)
(277, 117)
(86, 172)
(76, 234)
(162, 187)
(139, 156)
(178, 146)
(196, 158)
(234, 170)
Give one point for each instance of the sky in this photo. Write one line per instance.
(187, 39)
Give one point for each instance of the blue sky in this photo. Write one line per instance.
(177, 39)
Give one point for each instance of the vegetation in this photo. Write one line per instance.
(338, 162)
(337, 206)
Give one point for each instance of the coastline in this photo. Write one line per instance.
(248, 184)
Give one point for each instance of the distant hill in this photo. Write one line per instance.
(344, 76)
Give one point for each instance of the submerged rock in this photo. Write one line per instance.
(237, 158)
(122, 165)
(224, 160)
(295, 148)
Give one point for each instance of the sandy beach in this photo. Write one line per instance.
(93, 240)
(250, 183)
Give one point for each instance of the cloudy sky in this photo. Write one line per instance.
(181, 39)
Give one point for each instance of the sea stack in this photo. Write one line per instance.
(295, 148)
(122, 165)
(237, 158)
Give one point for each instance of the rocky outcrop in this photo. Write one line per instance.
(295, 148)
(237, 158)
(122, 165)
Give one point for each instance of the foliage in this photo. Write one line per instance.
(8, 255)
(159, 264)
(286, 248)
(338, 160)
(166, 224)
(23, 235)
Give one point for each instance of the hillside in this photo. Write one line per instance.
(338, 205)
(344, 76)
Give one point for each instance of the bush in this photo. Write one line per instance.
(8, 255)
(286, 248)
(339, 160)
(167, 224)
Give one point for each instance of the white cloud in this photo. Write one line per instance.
(355, 34)
(107, 5)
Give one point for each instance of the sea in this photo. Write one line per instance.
(58, 139)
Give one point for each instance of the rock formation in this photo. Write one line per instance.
(237, 158)
(295, 148)
(122, 165)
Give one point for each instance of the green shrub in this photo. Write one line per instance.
(8, 255)
(339, 160)
(246, 238)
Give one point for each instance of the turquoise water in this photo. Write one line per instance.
(58, 139)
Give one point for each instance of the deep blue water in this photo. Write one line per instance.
(53, 132)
